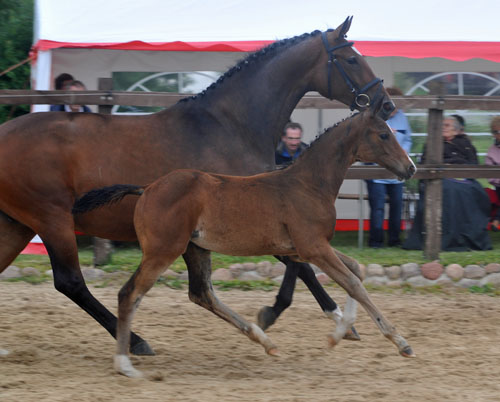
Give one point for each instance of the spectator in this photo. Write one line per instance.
(380, 188)
(465, 205)
(62, 80)
(493, 158)
(72, 86)
(291, 145)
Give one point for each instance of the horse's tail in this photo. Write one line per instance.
(105, 195)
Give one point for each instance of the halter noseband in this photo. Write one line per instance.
(359, 94)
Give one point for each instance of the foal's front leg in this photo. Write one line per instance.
(202, 293)
(325, 257)
(267, 316)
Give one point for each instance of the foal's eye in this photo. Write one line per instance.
(384, 136)
(352, 60)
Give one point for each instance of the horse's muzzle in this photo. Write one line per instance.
(387, 108)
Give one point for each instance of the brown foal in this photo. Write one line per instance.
(286, 212)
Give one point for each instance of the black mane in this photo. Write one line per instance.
(251, 59)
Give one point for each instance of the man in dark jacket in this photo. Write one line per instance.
(290, 146)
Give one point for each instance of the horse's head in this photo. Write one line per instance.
(348, 76)
(377, 143)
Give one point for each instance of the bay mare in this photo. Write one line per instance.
(47, 159)
(286, 212)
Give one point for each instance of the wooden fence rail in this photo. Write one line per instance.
(433, 172)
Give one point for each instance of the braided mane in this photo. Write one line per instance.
(263, 54)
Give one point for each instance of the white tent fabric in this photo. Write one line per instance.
(113, 21)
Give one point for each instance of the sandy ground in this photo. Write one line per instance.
(58, 353)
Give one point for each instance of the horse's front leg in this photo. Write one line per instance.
(325, 257)
(201, 292)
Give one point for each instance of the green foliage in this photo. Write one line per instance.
(16, 35)
(485, 289)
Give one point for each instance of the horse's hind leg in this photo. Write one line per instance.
(59, 239)
(332, 265)
(201, 292)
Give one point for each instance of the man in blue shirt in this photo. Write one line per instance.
(393, 188)
(291, 145)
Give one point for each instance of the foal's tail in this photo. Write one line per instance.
(105, 195)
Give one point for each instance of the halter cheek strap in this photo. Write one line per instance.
(361, 98)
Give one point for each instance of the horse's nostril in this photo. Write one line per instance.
(411, 170)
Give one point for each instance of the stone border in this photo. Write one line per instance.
(429, 274)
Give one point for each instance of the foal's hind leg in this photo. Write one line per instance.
(201, 292)
(129, 298)
(332, 265)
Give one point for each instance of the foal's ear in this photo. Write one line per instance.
(342, 29)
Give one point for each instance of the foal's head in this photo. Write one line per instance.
(377, 143)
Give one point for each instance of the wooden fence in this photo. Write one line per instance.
(433, 172)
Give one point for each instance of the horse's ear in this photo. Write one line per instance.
(344, 28)
(376, 106)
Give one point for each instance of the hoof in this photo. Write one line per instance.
(142, 349)
(123, 366)
(407, 352)
(273, 352)
(352, 335)
(331, 341)
(266, 317)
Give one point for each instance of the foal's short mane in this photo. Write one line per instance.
(320, 137)
(266, 52)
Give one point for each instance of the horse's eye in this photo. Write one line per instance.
(352, 60)
(384, 136)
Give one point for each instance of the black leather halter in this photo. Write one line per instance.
(361, 98)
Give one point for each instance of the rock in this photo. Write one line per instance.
(362, 269)
(393, 272)
(375, 270)
(236, 269)
(432, 270)
(249, 266)
(222, 274)
(92, 274)
(492, 268)
(278, 279)
(419, 281)
(375, 280)
(30, 271)
(409, 269)
(467, 283)
(395, 284)
(454, 272)
(444, 280)
(316, 269)
(264, 268)
(184, 276)
(491, 279)
(11, 272)
(170, 274)
(474, 272)
(250, 276)
(278, 269)
(323, 278)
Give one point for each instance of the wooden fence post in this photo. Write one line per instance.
(103, 247)
(434, 188)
